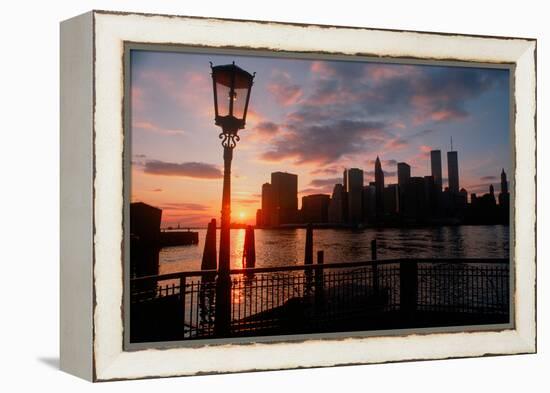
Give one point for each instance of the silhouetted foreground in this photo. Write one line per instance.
(344, 297)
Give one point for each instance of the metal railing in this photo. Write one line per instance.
(335, 297)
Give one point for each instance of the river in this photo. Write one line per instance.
(279, 247)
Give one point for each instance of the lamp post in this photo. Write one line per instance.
(232, 86)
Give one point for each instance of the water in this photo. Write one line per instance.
(279, 247)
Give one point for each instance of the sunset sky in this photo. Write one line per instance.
(311, 118)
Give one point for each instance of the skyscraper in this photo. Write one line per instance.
(452, 167)
(435, 158)
(336, 205)
(353, 179)
(285, 197)
(391, 199)
(504, 199)
(379, 182)
(315, 208)
(503, 182)
(369, 203)
(267, 212)
(403, 174)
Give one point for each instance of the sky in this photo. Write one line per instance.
(309, 117)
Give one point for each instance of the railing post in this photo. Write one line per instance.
(182, 295)
(319, 280)
(308, 257)
(408, 275)
(375, 279)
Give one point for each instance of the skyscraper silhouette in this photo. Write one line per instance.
(403, 174)
(353, 179)
(452, 167)
(285, 197)
(379, 182)
(435, 158)
(504, 199)
(503, 182)
(267, 212)
(336, 205)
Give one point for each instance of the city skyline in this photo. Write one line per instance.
(310, 118)
(357, 202)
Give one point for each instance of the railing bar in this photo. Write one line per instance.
(335, 265)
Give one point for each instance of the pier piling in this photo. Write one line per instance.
(209, 261)
(249, 252)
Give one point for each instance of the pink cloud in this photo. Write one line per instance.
(148, 126)
(435, 107)
(382, 72)
(284, 90)
(396, 143)
(320, 68)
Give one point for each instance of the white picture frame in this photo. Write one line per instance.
(92, 196)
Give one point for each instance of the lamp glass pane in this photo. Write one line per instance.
(239, 102)
(223, 99)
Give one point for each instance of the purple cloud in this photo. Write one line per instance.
(196, 170)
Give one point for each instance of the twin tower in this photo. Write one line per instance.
(452, 170)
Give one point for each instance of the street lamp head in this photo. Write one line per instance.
(232, 87)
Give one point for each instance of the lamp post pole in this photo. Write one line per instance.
(231, 86)
(223, 282)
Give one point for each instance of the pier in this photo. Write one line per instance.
(178, 238)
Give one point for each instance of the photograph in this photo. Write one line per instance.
(289, 195)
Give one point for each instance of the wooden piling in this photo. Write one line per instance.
(308, 258)
(209, 261)
(249, 252)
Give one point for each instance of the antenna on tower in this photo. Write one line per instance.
(451, 143)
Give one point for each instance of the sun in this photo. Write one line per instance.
(242, 215)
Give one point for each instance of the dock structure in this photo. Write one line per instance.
(178, 238)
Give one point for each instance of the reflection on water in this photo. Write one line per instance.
(277, 247)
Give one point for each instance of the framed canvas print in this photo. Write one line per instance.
(245, 195)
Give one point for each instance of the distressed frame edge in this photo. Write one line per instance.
(527, 339)
(76, 196)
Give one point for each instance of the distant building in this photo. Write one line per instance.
(336, 205)
(414, 204)
(504, 199)
(285, 197)
(473, 199)
(369, 203)
(431, 194)
(391, 200)
(315, 208)
(379, 182)
(435, 158)
(504, 196)
(503, 182)
(268, 206)
(353, 180)
(403, 174)
(259, 218)
(452, 168)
